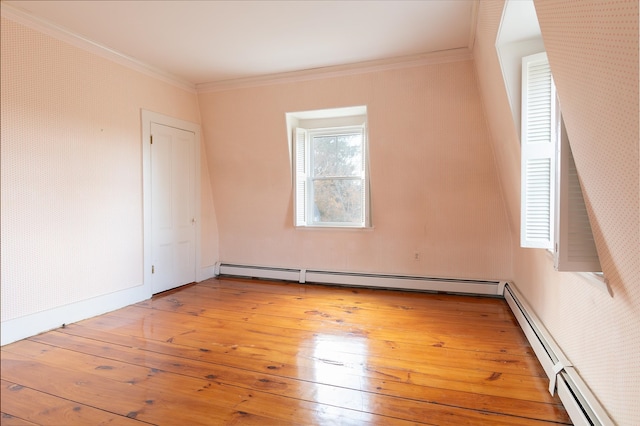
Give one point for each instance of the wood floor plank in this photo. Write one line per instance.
(221, 325)
(370, 299)
(479, 341)
(184, 388)
(345, 317)
(329, 292)
(304, 350)
(512, 362)
(376, 298)
(10, 420)
(269, 353)
(122, 372)
(445, 310)
(333, 315)
(405, 316)
(310, 391)
(132, 400)
(41, 408)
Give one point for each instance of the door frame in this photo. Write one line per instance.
(149, 117)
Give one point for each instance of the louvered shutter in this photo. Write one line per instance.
(300, 177)
(539, 135)
(366, 220)
(575, 248)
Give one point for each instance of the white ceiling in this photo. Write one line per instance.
(212, 41)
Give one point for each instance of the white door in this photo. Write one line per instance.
(173, 230)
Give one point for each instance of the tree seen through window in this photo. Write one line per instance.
(337, 177)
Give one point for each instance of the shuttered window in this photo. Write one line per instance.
(301, 165)
(575, 247)
(553, 211)
(539, 135)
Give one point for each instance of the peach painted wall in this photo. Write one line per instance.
(434, 185)
(72, 172)
(593, 51)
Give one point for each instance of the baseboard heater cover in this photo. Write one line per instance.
(580, 403)
(400, 282)
(271, 273)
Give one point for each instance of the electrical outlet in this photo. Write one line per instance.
(416, 256)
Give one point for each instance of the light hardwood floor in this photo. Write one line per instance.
(247, 352)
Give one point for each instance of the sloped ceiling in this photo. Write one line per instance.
(212, 41)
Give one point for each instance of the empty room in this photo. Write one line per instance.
(320, 212)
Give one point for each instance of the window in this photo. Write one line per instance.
(553, 213)
(330, 163)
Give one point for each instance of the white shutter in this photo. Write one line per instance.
(539, 135)
(366, 203)
(575, 248)
(300, 176)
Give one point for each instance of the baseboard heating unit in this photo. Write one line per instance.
(580, 403)
(399, 282)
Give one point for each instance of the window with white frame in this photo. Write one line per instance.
(553, 212)
(330, 179)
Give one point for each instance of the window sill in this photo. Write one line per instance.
(335, 228)
(597, 280)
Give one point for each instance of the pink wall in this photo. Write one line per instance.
(72, 172)
(593, 51)
(434, 184)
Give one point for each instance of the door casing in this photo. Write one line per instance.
(148, 117)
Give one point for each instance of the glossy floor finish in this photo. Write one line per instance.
(265, 353)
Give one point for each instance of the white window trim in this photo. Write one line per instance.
(597, 280)
(303, 179)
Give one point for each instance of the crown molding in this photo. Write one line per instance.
(444, 56)
(41, 25)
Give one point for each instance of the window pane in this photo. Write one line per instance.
(337, 155)
(338, 200)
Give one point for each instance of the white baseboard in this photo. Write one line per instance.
(206, 272)
(30, 325)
